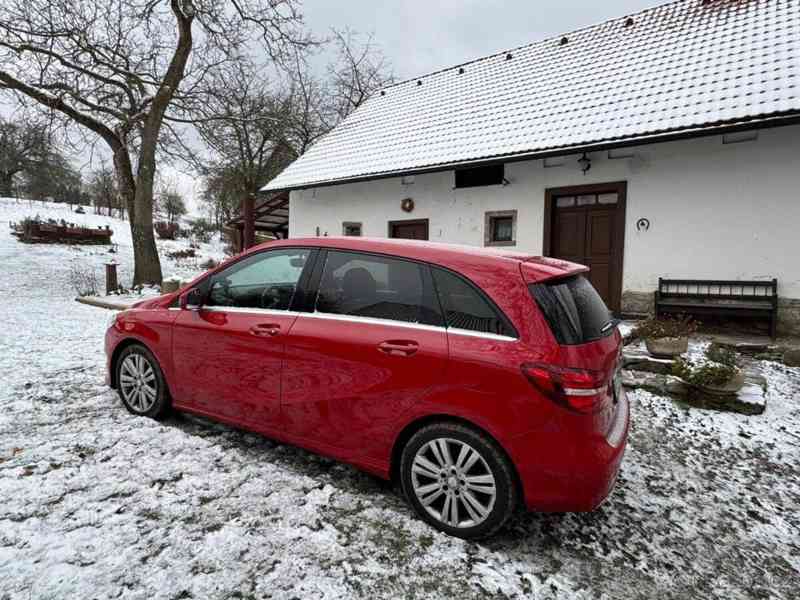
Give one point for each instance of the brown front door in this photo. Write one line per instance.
(416, 229)
(587, 226)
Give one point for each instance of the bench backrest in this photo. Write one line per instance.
(718, 288)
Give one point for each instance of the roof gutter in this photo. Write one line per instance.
(768, 122)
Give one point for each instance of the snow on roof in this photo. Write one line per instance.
(683, 66)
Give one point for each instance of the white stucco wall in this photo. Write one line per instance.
(716, 211)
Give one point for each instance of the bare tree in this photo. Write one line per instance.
(244, 124)
(127, 72)
(103, 191)
(359, 70)
(172, 206)
(23, 147)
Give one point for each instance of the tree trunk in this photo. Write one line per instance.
(138, 199)
(148, 265)
(6, 181)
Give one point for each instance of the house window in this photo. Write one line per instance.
(478, 176)
(500, 228)
(351, 229)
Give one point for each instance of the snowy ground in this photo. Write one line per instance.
(97, 504)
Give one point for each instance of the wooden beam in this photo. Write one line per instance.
(248, 215)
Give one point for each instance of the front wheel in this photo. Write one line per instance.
(140, 383)
(458, 480)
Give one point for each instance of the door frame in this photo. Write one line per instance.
(618, 187)
(393, 224)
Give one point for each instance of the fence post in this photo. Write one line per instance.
(111, 278)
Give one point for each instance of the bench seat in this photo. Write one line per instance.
(719, 297)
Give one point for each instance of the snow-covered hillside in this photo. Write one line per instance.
(97, 504)
(95, 256)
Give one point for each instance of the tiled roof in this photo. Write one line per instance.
(682, 66)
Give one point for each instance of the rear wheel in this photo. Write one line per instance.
(458, 480)
(140, 383)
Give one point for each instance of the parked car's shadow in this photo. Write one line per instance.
(524, 530)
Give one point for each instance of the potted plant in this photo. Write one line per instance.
(666, 337)
(715, 373)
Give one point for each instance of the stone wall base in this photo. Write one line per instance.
(642, 303)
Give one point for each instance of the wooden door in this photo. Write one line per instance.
(416, 229)
(587, 227)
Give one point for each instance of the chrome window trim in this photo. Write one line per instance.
(242, 309)
(482, 334)
(420, 326)
(372, 321)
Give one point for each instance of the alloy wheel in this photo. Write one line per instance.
(138, 383)
(453, 482)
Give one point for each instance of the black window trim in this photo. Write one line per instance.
(315, 277)
(204, 285)
(502, 316)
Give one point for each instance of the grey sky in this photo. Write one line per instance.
(419, 36)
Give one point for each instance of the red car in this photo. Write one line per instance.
(478, 379)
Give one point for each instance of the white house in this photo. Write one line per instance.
(661, 144)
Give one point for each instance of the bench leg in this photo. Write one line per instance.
(773, 324)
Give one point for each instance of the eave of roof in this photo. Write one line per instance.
(762, 122)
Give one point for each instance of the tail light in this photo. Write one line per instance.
(579, 390)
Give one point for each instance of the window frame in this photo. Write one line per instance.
(301, 289)
(348, 224)
(311, 290)
(488, 299)
(490, 217)
(428, 287)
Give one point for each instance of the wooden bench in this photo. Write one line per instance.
(718, 298)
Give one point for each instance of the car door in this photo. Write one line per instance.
(373, 345)
(228, 353)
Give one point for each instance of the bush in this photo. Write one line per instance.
(165, 230)
(717, 367)
(83, 279)
(181, 254)
(656, 328)
(202, 230)
(721, 355)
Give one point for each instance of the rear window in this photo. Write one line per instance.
(574, 310)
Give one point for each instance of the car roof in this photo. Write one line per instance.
(455, 256)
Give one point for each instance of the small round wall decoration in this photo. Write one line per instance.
(407, 204)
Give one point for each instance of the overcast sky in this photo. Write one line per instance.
(420, 36)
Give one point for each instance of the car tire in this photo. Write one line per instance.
(449, 464)
(140, 383)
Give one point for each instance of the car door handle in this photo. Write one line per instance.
(265, 329)
(398, 347)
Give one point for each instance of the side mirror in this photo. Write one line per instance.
(192, 300)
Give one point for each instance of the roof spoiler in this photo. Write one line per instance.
(536, 269)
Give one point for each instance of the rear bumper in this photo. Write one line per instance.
(564, 471)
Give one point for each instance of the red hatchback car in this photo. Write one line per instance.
(478, 379)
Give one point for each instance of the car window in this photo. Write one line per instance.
(465, 307)
(378, 287)
(574, 310)
(264, 280)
